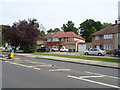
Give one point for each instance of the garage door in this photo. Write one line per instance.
(81, 47)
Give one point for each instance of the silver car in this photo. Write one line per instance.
(95, 51)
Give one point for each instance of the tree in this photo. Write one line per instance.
(106, 24)
(69, 27)
(88, 27)
(23, 33)
(53, 30)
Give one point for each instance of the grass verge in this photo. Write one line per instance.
(81, 57)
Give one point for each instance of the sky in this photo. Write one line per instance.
(55, 13)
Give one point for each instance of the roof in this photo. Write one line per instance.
(71, 42)
(50, 34)
(61, 34)
(112, 29)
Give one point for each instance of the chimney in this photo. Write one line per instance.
(115, 22)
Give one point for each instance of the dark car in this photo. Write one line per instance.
(116, 52)
(43, 49)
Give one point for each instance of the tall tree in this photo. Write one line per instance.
(53, 30)
(23, 33)
(88, 27)
(69, 27)
(106, 24)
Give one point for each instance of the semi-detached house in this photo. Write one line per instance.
(67, 39)
(107, 38)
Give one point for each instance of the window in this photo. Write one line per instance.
(96, 37)
(118, 35)
(49, 39)
(108, 36)
(55, 39)
(108, 47)
(62, 39)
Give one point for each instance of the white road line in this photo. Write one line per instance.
(93, 81)
(45, 65)
(102, 75)
(59, 70)
(37, 68)
(89, 76)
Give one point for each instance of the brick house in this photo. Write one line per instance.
(107, 38)
(67, 39)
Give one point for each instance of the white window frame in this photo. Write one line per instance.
(96, 37)
(108, 47)
(108, 36)
(55, 39)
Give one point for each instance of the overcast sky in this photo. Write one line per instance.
(54, 13)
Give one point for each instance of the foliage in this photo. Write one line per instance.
(69, 27)
(53, 30)
(22, 33)
(28, 48)
(88, 27)
(106, 24)
(109, 51)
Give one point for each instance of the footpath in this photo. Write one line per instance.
(73, 60)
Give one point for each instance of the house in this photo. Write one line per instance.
(67, 39)
(107, 38)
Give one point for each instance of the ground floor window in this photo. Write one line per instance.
(108, 47)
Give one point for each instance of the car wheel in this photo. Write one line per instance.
(86, 53)
(99, 54)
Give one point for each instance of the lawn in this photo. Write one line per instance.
(80, 57)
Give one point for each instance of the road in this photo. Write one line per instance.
(27, 72)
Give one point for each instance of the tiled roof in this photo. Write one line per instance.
(50, 34)
(108, 30)
(61, 34)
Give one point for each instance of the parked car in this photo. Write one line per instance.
(43, 49)
(95, 51)
(54, 49)
(116, 52)
(64, 49)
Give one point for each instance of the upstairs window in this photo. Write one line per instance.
(49, 39)
(108, 36)
(118, 35)
(96, 37)
(55, 39)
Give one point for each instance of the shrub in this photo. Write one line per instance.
(109, 51)
(28, 48)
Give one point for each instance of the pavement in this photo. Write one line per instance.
(73, 60)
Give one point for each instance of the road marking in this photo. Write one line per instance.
(93, 81)
(102, 75)
(37, 68)
(45, 65)
(52, 70)
(89, 76)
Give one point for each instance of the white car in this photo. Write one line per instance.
(64, 49)
(95, 51)
(54, 48)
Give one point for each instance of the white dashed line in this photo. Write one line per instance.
(89, 76)
(103, 75)
(59, 70)
(37, 68)
(93, 81)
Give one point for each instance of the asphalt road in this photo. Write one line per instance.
(40, 73)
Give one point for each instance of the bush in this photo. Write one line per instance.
(109, 51)
(28, 48)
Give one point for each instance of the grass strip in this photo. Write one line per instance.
(80, 57)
